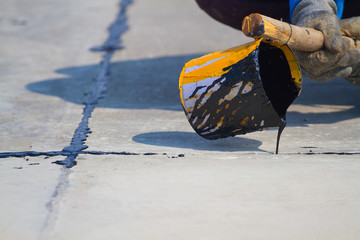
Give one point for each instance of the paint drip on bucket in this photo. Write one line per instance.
(244, 89)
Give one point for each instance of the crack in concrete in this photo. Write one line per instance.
(326, 153)
(77, 145)
(64, 153)
(32, 154)
(113, 43)
(53, 205)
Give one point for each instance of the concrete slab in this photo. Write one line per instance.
(318, 122)
(143, 93)
(144, 99)
(173, 28)
(43, 42)
(176, 184)
(213, 196)
(27, 188)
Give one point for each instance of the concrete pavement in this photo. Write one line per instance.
(142, 172)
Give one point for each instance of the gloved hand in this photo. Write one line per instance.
(336, 59)
(351, 27)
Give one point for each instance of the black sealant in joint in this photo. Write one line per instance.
(113, 43)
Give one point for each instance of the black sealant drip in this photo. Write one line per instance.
(281, 129)
(278, 84)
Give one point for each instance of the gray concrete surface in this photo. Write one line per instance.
(175, 184)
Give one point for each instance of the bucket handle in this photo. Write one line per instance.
(298, 38)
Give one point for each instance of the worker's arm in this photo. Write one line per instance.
(335, 60)
(232, 12)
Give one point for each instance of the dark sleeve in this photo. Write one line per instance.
(351, 8)
(232, 12)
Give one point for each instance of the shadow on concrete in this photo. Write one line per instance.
(191, 140)
(134, 84)
(334, 101)
(153, 83)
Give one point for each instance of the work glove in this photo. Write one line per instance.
(351, 28)
(337, 59)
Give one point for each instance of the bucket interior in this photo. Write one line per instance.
(276, 78)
